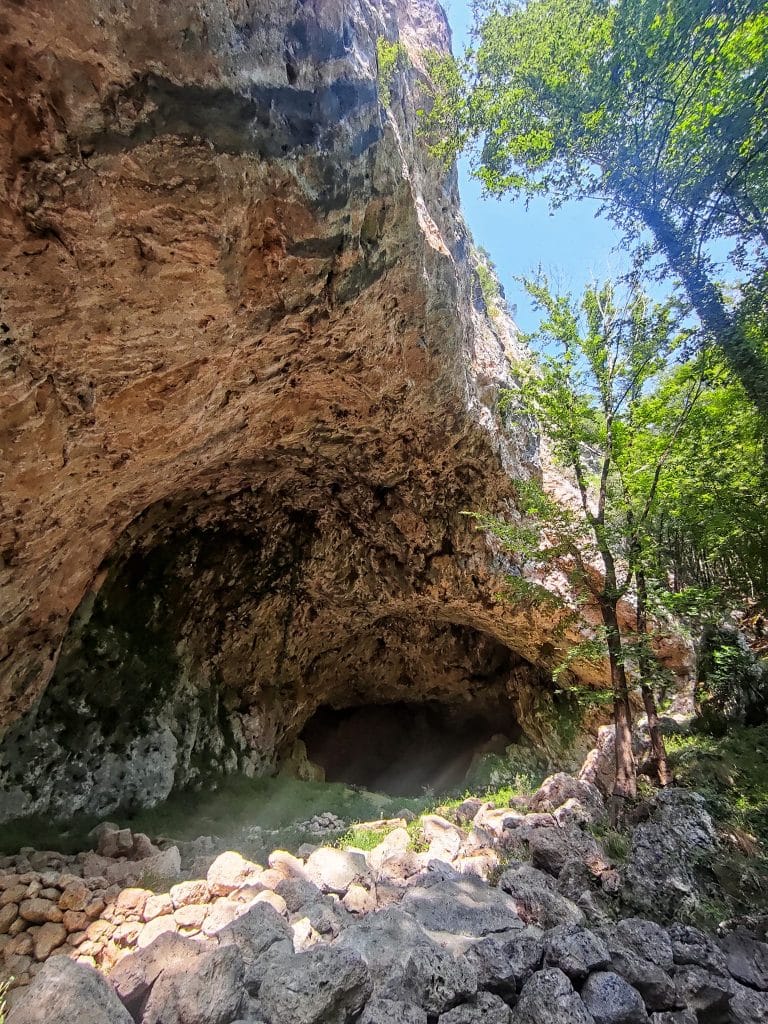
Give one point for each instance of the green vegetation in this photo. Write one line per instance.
(487, 275)
(391, 57)
(657, 107)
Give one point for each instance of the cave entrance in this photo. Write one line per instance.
(402, 749)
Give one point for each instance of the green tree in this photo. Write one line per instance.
(657, 107)
(597, 362)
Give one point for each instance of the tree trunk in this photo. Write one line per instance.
(645, 662)
(747, 363)
(625, 786)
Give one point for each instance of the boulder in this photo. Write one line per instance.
(460, 908)
(548, 997)
(558, 789)
(576, 951)
(748, 1007)
(692, 947)
(65, 991)
(392, 1011)
(505, 962)
(48, 937)
(746, 960)
(324, 985)
(611, 1000)
(484, 1008)
(134, 975)
(641, 952)
(229, 871)
(335, 870)
(258, 932)
(297, 892)
(552, 848)
(535, 898)
(660, 873)
(207, 989)
(406, 964)
(709, 995)
(396, 842)
(674, 1017)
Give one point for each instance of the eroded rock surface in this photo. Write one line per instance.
(248, 387)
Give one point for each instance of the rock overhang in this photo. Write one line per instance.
(241, 319)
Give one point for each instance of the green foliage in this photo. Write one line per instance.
(657, 107)
(361, 838)
(489, 282)
(391, 57)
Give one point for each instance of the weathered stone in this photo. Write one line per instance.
(611, 1000)
(746, 960)
(535, 899)
(258, 931)
(191, 915)
(484, 1008)
(464, 908)
(549, 998)
(75, 921)
(196, 891)
(48, 936)
(692, 947)
(505, 962)
(221, 913)
(76, 896)
(558, 789)
(156, 927)
(576, 951)
(207, 989)
(324, 985)
(748, 1007)
(641, 952)
(706, 993)
(359, 900)
(134, 975)
(229, 871)
(335, 870)
(8, 915)
(38, 911)
(660, 872)
(392, 1011)
(160, 905)
(297, 892)
(66, 991)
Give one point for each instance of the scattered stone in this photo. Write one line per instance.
(464, 908)
(576, 951)
(229, 871)
(535, 899)
(134, 975)
(548, 997)
(746, 960)
(324, 985)
(559, 789)
(335, 870)
(484, 1008)
(207, 989)
(505, 962)
(392, 1011)
(65, 991)
(48, 937)
(611, 1000)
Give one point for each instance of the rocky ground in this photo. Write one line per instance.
(535, 913)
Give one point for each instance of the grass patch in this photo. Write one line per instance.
(4, 986)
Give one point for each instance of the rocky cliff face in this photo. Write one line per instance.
(248, 387)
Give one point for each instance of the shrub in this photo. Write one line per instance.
(391, 58)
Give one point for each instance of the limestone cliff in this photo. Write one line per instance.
(248, 385)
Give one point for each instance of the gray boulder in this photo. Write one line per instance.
(433, 979)
(535, 898)
(659, 877)
(641, 952)
(66, 991)
(134, 976)
(674, 1017)
(709, 995)
(465, 907)
(576, 951)
(692, 947)
(549, 998)
(208, 989)
(558, 789)
(262, 937)
(485, 1008)
(297, 892)
(505, 962)
(748, 1007)
(335, 870)
(392, 1011)
(611, 1000)
(324, 985)
(746, 960)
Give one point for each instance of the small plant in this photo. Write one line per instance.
(4, 986)
(391, 57)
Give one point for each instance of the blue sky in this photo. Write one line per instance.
(574, 245)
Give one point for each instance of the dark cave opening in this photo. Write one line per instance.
(401, 748)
